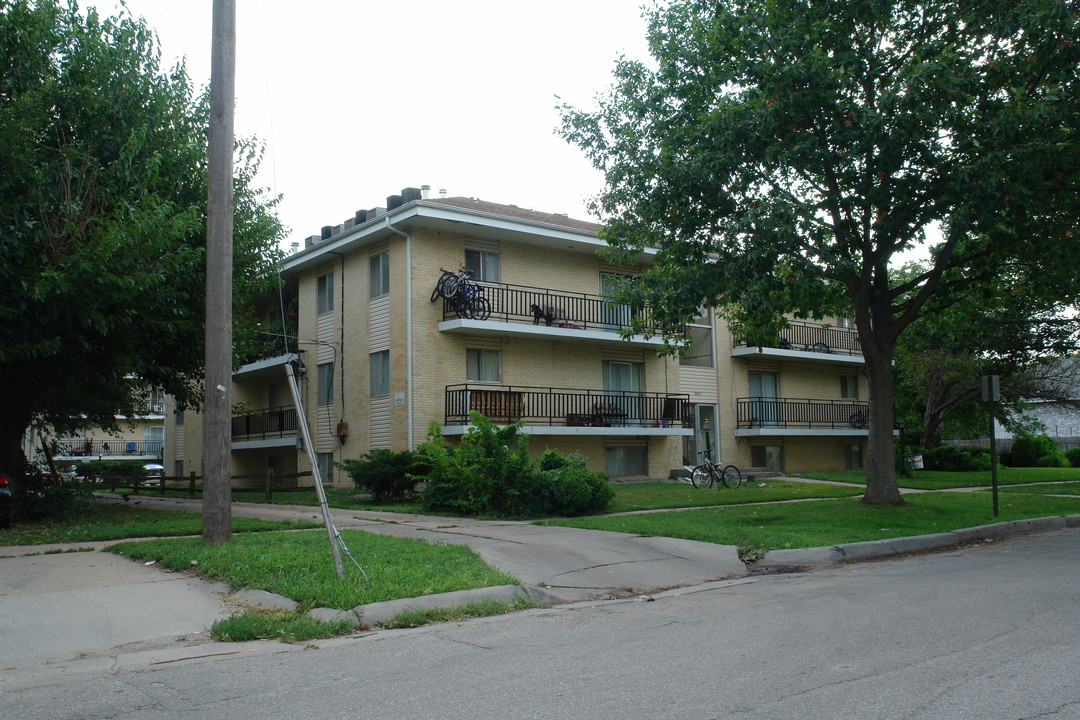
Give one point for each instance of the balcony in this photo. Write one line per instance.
(565, 411)
(270, 426)
(761, 416)
(525, 310)
(805, 342)
(133, 449)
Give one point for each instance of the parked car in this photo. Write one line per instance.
(7, 501)
(152, 474)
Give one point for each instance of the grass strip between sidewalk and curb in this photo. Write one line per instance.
(823, 523)
(299, 565)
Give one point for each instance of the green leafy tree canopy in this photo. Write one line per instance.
(777, 156)
(102, 205)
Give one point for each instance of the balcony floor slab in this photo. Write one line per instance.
(593, 431)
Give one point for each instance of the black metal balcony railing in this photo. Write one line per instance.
(266, 423)
(555, 308)
(810, 337)
(565, 406)
(763, 412)
(95, 448)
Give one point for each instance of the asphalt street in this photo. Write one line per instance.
(984, 632)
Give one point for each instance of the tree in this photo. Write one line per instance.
(990, 330)
(778, 156)
(102, 200)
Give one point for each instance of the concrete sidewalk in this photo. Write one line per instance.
(56, 608)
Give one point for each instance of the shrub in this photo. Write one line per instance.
(1029, 450)
(1073, 456)
(38, 497)
(389, 476)
(490, 473)
(954, 459)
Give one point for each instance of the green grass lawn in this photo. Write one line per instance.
(1056, 488)
(299, 565)
(941, 480)
(828, 522)
(110, 521)
(344, 498)
(662, 495)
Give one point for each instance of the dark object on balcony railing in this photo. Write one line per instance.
(267, 423)
(550, 308)
(565, 406)
(810, 337)
(766, 412)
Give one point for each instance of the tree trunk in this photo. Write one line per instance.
(881, 488)
(14, 421)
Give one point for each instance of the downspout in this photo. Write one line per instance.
(341, 348)
(408, 329)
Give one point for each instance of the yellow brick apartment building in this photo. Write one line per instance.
(533, 338)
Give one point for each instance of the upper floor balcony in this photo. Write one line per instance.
(505, 309)
(758, 416)
(805, 342)
(108, 449)
(567, 411)
(265, 427)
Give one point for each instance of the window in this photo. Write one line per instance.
(483, 265)
(178, 468)
(700, 352)
(767, 456)
(845, 323)
(326, 466)
(625, 461)
(379, 367)
(379, 280)
(326, 383)
(153, 439)
(853, 457)
(178, 414)
(325, 291)
(482, 365)
(849, 387)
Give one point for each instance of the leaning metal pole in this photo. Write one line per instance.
(217, 396)
(305, 434)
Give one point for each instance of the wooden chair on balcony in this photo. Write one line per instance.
(499, 406)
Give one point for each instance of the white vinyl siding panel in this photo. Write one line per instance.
(700, 384)
(379, 422)
(379, 325)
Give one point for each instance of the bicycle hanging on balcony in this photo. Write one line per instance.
(463, 294)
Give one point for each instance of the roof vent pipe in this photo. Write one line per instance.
(425, 191)
(442, 192)
(294, 245)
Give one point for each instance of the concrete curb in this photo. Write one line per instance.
(807, 558)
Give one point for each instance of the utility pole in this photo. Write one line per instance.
(217, 396)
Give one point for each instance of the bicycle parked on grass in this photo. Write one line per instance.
(464, 295)
(709, 474)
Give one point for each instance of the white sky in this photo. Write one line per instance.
(356, 101)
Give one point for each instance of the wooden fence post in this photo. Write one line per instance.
(269, 484)
(191, 485)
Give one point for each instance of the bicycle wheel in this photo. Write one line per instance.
(450, 285)
(478, 308)
(701, 477)
(731, 477)
(820, 347)
(858, 420)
